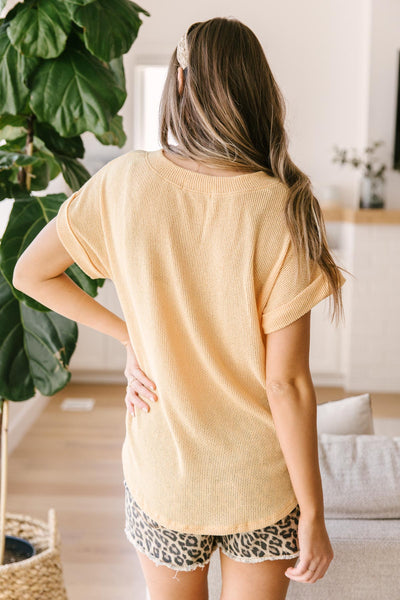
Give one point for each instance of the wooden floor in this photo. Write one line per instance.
(72, 461)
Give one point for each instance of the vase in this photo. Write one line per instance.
(371, 193)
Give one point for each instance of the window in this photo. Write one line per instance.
(149, 81)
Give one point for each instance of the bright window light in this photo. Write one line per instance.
(149, 83)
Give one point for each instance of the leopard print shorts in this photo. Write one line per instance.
(186, 551)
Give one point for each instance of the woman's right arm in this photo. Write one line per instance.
(292, 400)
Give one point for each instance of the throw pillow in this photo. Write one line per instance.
(349, 415)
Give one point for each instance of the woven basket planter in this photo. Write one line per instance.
(39, 577)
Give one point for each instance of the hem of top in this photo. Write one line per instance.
(249, 526)
(200, 182)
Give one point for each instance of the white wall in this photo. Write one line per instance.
(384, 49)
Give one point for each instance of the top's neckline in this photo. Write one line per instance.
(193, 180)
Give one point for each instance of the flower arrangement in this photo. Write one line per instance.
(373, 173)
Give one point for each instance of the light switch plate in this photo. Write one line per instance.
(77, 404)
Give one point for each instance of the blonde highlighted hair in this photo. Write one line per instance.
(231, 113)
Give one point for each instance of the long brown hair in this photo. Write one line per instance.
(231, 113)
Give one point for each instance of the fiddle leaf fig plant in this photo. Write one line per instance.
(61, 74)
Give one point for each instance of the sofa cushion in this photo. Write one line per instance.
(349, 415)
(360, 475)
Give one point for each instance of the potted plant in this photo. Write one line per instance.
(62, 64)
(373, 174)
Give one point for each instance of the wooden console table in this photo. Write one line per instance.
(382, 216)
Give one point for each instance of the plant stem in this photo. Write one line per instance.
(25, 178)
(3, 482)
(29, 151)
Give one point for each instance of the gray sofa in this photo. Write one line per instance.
(360, 474)
(365, 566)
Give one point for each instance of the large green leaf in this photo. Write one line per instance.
(44, 166)
(45, 171)
(14, 129)
(12, 120)
(36, 344)
(16, 382)
(12, 133)
(15, 68)
(13, 159)
(68, 146)
(110, 28)
(76, 92)
(52, 154)
(74, 173)
(117, 67)
(116, 136)
(64, 152)
(40, 28)
(35, 348)
(40, 149)
(49, 341)
(78, 2)
(9, 189)
(16, 143)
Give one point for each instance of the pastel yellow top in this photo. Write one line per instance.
(203, 267)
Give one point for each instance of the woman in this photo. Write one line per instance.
(217, 250)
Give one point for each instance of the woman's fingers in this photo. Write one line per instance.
(307, 571)
(134, 400)
(130, 406)
(142, 378)
(302, 566)
(319, 572)
(300, 571)
(134, 392)
(137, 387)
(138, 383)
(136, 372)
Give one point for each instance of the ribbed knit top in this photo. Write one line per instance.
(204, 268)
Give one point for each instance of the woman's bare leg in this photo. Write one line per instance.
(264, 580)
(165, 583)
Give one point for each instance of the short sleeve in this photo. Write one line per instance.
(80, 227)
(290, 299)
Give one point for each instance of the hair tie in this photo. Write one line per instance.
(182, 52)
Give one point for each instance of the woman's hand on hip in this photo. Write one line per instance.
(315, 551)
(138, 383)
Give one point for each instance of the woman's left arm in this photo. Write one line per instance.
(292, 401)
(39, 273)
